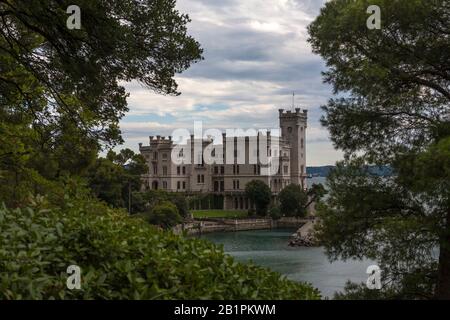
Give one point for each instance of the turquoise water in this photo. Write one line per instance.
(269, 248)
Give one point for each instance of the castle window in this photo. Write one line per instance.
(178, 185)
(237, 184)
(286, 169)
(237, 169)
(164, 156)
(290, 129)
(203, 178)
(155, 155)
(198, 178)
(184, 185)
(164, 184)
(178, 170)
(301, 143)
(222, 169)
(165, 171)
(184, 170)
(155, 169)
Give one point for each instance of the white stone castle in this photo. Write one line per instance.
(226, 179)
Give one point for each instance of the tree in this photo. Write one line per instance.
(293, 201)
(164, 214)
(61, 95)
(115, 178)
(259, 194)
(394, 112)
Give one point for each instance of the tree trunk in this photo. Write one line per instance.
(443, 285)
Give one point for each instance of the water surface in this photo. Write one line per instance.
(269, 248)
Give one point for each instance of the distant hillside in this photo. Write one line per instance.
(319, 171)
(324, 171)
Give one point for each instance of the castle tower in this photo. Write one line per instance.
(293, 130)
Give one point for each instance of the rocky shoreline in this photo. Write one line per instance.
(300, 241)
(304, 237)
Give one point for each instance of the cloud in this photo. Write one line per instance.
(256, 55)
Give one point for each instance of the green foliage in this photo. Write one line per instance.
(259, 194)
(164, 214)
(239, 214)
(121, 258)
(275, 213)
(113, 179)
(393, 111)
(146, 201)
(293, 201)
(60, 93)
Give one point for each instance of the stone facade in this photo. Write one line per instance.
(224, 178)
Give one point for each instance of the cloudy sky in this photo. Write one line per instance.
(256, 55)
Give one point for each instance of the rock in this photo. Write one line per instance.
(302, 241)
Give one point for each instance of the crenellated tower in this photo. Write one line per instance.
(293, 130)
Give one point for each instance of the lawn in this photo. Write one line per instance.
(219, 214)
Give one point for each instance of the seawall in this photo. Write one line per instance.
(231, 225)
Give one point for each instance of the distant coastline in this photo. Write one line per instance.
(324, 171)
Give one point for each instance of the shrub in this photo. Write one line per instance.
(164, 214)
(259, 194)
(121, 258)
(146, 201)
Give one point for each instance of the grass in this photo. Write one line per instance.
(219, 214)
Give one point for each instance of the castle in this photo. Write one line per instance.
(236, 161)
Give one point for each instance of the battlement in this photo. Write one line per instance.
(160, 139)
(289, 113)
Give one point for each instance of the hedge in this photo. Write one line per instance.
(121, 258)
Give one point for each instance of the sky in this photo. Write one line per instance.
(256, 55)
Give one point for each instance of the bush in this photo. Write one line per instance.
(275, 213)
(164, 214)
(121, 258)
(146, 201)
(259, 194)
(293, 201)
